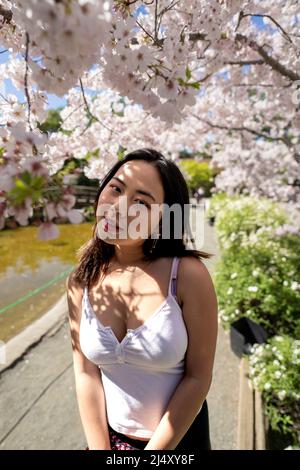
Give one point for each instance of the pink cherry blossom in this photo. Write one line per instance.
(47, 231)
(202, 77)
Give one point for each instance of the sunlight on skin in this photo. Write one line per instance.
(136, 175)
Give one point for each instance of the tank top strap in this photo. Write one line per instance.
(173, 278)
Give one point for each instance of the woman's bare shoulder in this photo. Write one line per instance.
(74, 289)
(190, 264)
(72, 281)
(190, 269)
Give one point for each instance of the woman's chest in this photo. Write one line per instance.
(124, 302)
(160, 342)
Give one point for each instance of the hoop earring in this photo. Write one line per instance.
(154, 244)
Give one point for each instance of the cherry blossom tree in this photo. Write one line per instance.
(172, 74)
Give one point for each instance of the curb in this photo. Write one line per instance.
(251, 433)
(260, 422)
(48, 324)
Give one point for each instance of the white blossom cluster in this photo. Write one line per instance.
(192, 74)
(268, 366)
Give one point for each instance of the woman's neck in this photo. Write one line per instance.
(129, 257)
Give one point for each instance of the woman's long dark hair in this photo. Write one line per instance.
(95, 255)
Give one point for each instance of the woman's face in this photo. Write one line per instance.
(129, 200)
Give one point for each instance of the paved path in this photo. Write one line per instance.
(223, 395)
(37, 395)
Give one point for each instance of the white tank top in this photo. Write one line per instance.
(140, 373)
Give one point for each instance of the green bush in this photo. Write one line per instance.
(88, 213)
(198, 174)
(274, 370)
(217, 202)
(53, 121)
(261, 281)
(258, 276)
(241, 217)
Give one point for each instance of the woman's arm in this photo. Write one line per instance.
(89, 388)
(92, 408)
(200, 312)
(180, 413)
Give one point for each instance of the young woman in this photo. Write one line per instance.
(143, 318)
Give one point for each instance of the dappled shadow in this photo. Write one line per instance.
(121, 300)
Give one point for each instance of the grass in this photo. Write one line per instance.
(28, 263)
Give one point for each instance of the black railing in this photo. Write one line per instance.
(85, 195)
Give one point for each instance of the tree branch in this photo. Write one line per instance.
(269, 85)
(242, 129)
(5, 99)
(35, 151)
(245, 62)
(147, 33)
(285, 34)
(26, 80)
(155, 20)
(273, 63)
(90, 114)
(7, 15)
(164, 10)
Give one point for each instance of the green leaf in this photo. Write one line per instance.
(26, 185)
(181, 82)
(252, 92)
(52, 122)
(121, 152)
(195, 85)
(66, 132)
(120, 114)
(188, 72)
(90, 154)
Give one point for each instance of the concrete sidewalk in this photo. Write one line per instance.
(223, 396)
(37, 393)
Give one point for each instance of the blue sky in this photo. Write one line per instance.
(56, 101)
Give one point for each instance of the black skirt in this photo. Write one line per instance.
(196, 438)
